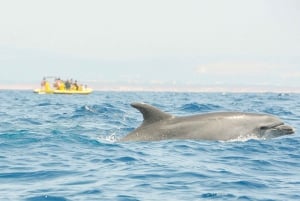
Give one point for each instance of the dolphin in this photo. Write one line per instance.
(218, 126)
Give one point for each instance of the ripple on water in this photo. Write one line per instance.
(196, 107)
(46, 198)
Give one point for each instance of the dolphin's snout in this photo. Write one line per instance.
(286, 129)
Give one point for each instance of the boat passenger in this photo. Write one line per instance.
(47, 86)
(80, 87)
(76, 85)
(61, 86)
(68, 85)
(56, 83)
(43, 83)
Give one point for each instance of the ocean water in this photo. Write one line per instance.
(64, 147)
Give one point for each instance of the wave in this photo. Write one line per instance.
(104, 109)
(196, 107)
(277, 110)
(34, 175)
(46, 198)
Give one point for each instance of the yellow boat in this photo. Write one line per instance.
(83, 92)
(61, 88)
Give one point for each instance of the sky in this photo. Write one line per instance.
(156, 45)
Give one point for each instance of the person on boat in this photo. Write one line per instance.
(76, 85)
(43, 83)
(47, 86)
(56, 83)
(80, 87)
(68, 85)
(61, 85)
(72, 87)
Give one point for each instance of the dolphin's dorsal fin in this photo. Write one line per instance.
(150, 113)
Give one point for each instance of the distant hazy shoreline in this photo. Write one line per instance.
(166, 88)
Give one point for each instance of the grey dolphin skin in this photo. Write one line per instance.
(220, 126)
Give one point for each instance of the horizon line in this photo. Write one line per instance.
(177, 88)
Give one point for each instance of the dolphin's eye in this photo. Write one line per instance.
(263, 128)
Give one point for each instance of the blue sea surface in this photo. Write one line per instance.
(64, 147)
